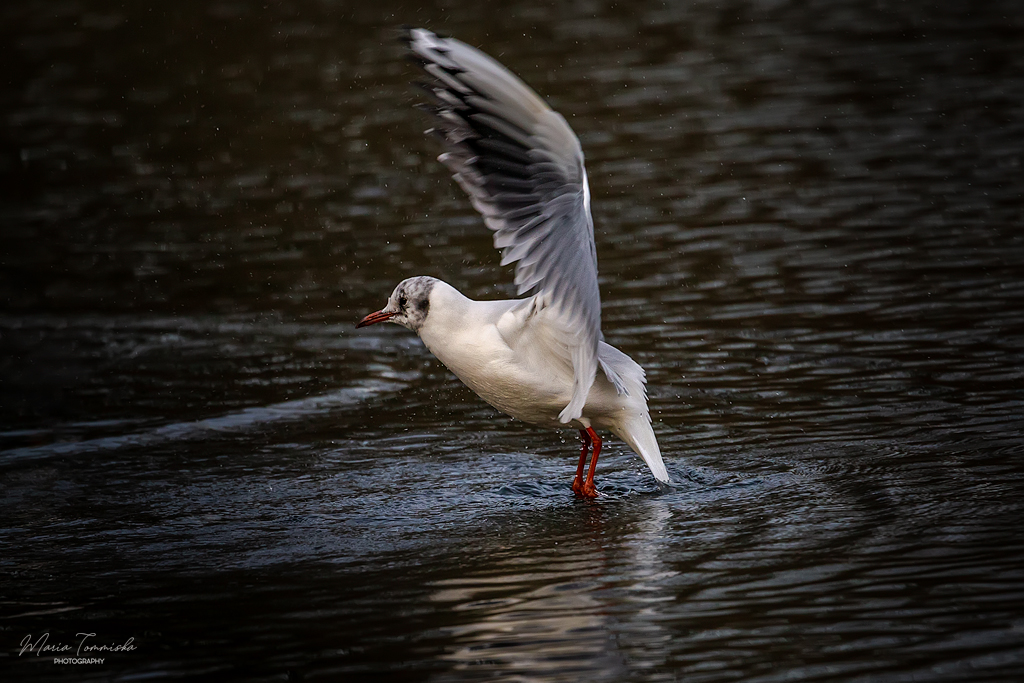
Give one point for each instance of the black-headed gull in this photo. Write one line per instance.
(540, 359)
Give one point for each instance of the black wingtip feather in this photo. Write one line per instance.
(405, 34)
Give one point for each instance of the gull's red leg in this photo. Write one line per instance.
(577, 483)
(589, 490)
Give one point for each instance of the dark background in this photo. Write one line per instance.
(808, 221)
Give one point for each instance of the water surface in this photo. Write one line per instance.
(808, 223)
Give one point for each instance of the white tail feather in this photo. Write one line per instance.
(639, 435)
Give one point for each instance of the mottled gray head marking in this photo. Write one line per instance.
(411, 299)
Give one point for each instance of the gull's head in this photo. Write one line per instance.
(408, 305)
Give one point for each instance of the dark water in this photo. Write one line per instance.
(809, 224)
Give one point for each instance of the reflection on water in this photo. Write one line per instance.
(574, 611)
(808, 225)
(550, 629)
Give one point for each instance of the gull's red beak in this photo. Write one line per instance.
(378, 317)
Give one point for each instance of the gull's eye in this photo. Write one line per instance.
(401, 302)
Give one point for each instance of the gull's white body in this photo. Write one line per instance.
(541, 359)
(507, 353)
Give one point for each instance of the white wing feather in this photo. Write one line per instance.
(522, 167)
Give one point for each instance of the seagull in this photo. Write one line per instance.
(541, 359)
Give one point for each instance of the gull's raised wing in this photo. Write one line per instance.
(522, 167)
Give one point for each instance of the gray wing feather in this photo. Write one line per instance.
(522, 167)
